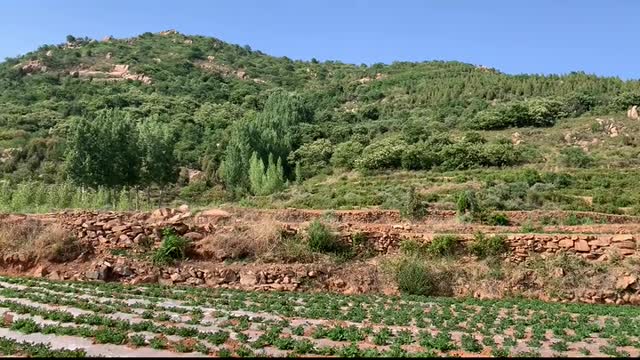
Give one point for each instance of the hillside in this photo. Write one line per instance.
(332, 121)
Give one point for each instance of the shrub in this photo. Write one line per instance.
(412, 247)
(415, 278)
(384, 154)
(575, 157)
(443, 245)
(483, 246)
(321, 238)
(346, 153)
(173, 248)
(498, 219)
(414, 207)
(467, 204)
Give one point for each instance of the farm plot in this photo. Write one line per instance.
(43, 318)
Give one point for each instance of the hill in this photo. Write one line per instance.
(218, 103)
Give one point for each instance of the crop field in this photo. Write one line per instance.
(43, 318)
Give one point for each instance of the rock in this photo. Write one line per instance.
(566, 243)
(145, 279)
(228, 276)
(195, 281)
(632, 113)
(626, 245)
(625, 282)
(54, 275)
(193, 236)
(92, 275)
(183, 208)
(140, 238)
(40, 271)
(161, 213)
(622, 237)
(121, 228)
(176, 277)
(558, 272)
(582, 246)
(124, 271)
(108, 56)
(602, 241)
(212, 215)
(124, 238)
(248, 278)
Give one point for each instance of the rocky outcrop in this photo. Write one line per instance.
(632, 113)
(32, 67)
(118, 73)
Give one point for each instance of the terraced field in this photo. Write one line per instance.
(43, 318)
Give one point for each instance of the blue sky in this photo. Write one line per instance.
(541, 36)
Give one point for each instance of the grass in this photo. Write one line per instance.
(172, 248)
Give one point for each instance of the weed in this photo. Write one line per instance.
(173, 248)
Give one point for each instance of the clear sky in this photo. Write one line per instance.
(514, 36)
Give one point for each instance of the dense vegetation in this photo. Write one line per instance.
(256, 124)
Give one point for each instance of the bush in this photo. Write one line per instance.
(255, 241)
(321, 238)
(173, 248)
(384, 154)
(467, 204)
(412, 247)
(415, 278)
(483, 246)
(575, 157)
(443, 245)
(414, 207)
(498, 219)
(346, 153)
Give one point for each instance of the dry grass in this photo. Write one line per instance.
(263, 240)
(244, 241)
(33, 241)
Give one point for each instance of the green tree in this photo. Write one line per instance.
(159, 165)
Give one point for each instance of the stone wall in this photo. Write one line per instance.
(125, 230)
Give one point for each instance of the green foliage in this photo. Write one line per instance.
(414, 277)
(104, 151)
(311, 158)
(414, 207)
(575, 157)
(443, 245)
(536, 112)
(346, 153)
(173, 247)
(321, 238)
(484, 246)
(265, 182)
(497, 219)
(467, 204)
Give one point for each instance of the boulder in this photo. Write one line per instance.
(146, 279)
(248, 278)
(622, 237)
(566, 243)
(581, 246)
(632, 113)
(40, 271)
(625, 282)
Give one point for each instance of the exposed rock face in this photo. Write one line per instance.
(632, 113)
(32, 66)
(119, 72)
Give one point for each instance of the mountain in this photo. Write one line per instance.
(413, 116)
